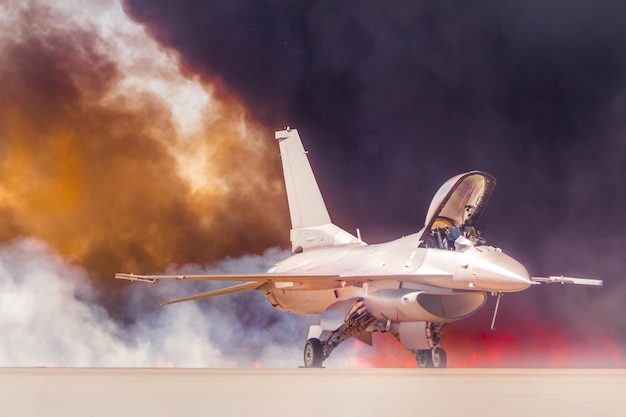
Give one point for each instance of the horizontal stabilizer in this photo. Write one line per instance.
(246, 286)
(566, 280)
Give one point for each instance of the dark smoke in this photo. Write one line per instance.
(531, 93)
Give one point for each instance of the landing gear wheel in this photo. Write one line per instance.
(424, 358)
(313, 353)
(439, 358)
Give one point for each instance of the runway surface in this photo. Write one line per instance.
(310, 392)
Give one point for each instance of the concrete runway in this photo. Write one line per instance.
(310, 392)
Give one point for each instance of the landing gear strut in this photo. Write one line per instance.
(439, 358)
(435, 357)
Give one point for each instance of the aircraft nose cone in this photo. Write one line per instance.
(497, 271)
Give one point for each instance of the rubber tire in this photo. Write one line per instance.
(439, 358)
(313, 353)
(424, 358)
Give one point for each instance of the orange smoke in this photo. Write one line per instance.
(112, 173)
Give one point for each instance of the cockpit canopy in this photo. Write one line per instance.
(461, 200)
(456, 208)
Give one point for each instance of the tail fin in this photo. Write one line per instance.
(310, 223)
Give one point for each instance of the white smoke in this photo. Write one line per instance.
(49, 316)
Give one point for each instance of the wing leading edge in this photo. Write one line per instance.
(259, 277)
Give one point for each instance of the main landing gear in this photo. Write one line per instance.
(313, 353)
(435, 357)
(357, 324)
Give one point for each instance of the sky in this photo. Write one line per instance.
(138, 136)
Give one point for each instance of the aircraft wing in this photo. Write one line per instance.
(566, 280)
(250, 282)
(256, 281)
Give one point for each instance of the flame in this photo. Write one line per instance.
(161, 363)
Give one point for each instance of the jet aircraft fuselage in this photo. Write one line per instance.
(408, 267)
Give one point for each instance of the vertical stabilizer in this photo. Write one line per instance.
(310, 223)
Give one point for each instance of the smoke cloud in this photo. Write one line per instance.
(145, 145)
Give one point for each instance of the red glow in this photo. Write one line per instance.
(527, 343)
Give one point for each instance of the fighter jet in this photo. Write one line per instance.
(410, 287)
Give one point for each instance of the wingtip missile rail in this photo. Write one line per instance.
(567, 280)
(140, 278)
